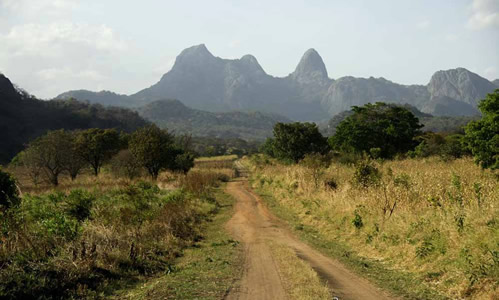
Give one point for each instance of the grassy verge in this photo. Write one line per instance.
(398, 282)
(299, 279)
(423, 228)
(207, 270)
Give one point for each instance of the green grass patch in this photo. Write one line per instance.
(207, 270)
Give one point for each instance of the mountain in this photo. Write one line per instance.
(103, 97)
(461, 85)
(23, 117)
(496, 83)
(447, 106)
(206, 82)
(174, 115)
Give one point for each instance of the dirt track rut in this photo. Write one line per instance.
(255, 227)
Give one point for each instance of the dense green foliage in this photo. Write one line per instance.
(441, 124)
(389, 129)
(446, 146)
(23, 118)
(293, 141)
(156, 150)
(483, 136)
(97, 146)
(9, 195)
(72, 246)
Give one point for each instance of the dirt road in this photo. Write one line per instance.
(255, 227)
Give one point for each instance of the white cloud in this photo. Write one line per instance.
(423, 24)
(484, 14)
(53, 39)
(491, 73)
(35, 8)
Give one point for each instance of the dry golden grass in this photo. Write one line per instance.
(444, 227)
(299, 279)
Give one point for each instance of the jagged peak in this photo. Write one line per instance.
(310, 65)
(251, 61)
(197, 50)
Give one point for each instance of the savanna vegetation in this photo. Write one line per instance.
(415, 212)
(87, 213)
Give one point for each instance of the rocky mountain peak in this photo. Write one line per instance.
(459, 84)
(194, 55)
(251, 63)
(310, 68)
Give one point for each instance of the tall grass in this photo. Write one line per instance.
(85, 242)
(436, 220)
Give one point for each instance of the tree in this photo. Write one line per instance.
(75, 162)
(154, 148)
(482, 136)
(50, 154)
(389, 127)
(125, 164)
(293, 141)
(97, 146)
(184, 162)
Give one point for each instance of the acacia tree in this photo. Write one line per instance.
(482, 137)
(388, 128)
(97, 146)
(292, 141)
(154, 148)
(50, 154)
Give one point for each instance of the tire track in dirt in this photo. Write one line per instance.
(255, 227)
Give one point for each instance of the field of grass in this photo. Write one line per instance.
(427, 229)
(87, 238)
(206, 270)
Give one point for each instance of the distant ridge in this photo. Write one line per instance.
(174, 115)
(203, 81)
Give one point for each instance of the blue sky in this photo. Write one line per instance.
(51, 46)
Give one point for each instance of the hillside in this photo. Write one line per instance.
(23, 117)
(203, 81)
(174, 115)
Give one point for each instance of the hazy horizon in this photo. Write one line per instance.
(51, 46)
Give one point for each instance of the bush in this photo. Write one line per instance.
(9, 195)
(79, 204)
(124, 164)
(366, 174)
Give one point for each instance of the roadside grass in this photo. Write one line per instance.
(300, 281)
(441, 241)
(207, 270)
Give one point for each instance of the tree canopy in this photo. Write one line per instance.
(388, 128)
(482, 136)
(155, 149)
(292, 141)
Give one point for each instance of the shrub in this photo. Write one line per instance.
(9, 195)
(366, 174)
(79, 204)
(331, 184)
